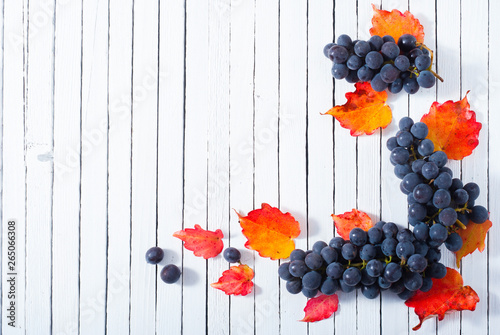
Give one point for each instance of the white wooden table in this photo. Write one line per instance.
(124, 121)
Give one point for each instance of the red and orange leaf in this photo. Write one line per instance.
(364, 112)
(202, 242)
(349, 220)
(447, 294)
(270, 232)
(320, 308)
(473, 238)
(236, 281)
(453, 128)
(396, 24)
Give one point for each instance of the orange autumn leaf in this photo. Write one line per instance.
(364, 112)
(473, 238)
(453, 128)
(396, 24)
(202, 242)
(320, 308)
(235, 281)
(349, 220)
(270, 232)
(447, 294)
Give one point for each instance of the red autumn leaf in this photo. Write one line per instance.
(473, 238)
(320, 308)
(270, 232)
(349, 220)
(396, 24)
(236, 281)
(447, 294)
(453, 128)
(202, 242)
(364, 112)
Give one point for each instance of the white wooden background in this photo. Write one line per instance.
(126, 120)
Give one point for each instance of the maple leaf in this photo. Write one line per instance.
(202, 242)
(270, 232)
(396, 24)
(447, 294)
(320, 308)
(349, 220)
(364, 112)
(236, 281)
(473, 238)
(453, 128)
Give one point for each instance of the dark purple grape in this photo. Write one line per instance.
(154, 255)
(479, 214)
(232, 255)
(311, 280)
(170, 274)
(358, 236)
(407, 42)
(314, 261)
(297, 254)
(338, 54)
(402, 63)
(283, 271)
(393, 272)
(351, 276)
(417, 263)
(390, 50)
(453, 242)
(294, 286)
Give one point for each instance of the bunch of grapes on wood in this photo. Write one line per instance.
(384, 63)
(439, 205)
(386, 257)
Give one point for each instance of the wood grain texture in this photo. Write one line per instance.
(125, 121)
(119, 160)
(144, 234)
(67, 168)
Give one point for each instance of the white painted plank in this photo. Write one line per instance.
(66, 200)
(266, 318)
(420, 103)
(1, 159)
(319, 134)
(218, 154)
(170, 160)
(345, 183)
(425, 12)
(39, 172)
(474, 167)
(447, 59)
(494, 177)
(13, 151)
(93, 226)
(369, 192)
(293, 140)
(394, 202)
(241, 167)
(144, 278)
(195, 162)
(119, 175)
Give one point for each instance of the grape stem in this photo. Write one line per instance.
(413, 153)
(461, 225)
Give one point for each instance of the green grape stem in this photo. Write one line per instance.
(460, 224)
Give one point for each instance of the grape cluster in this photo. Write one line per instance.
(383, 62)
(384, 257)
(438, 204)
